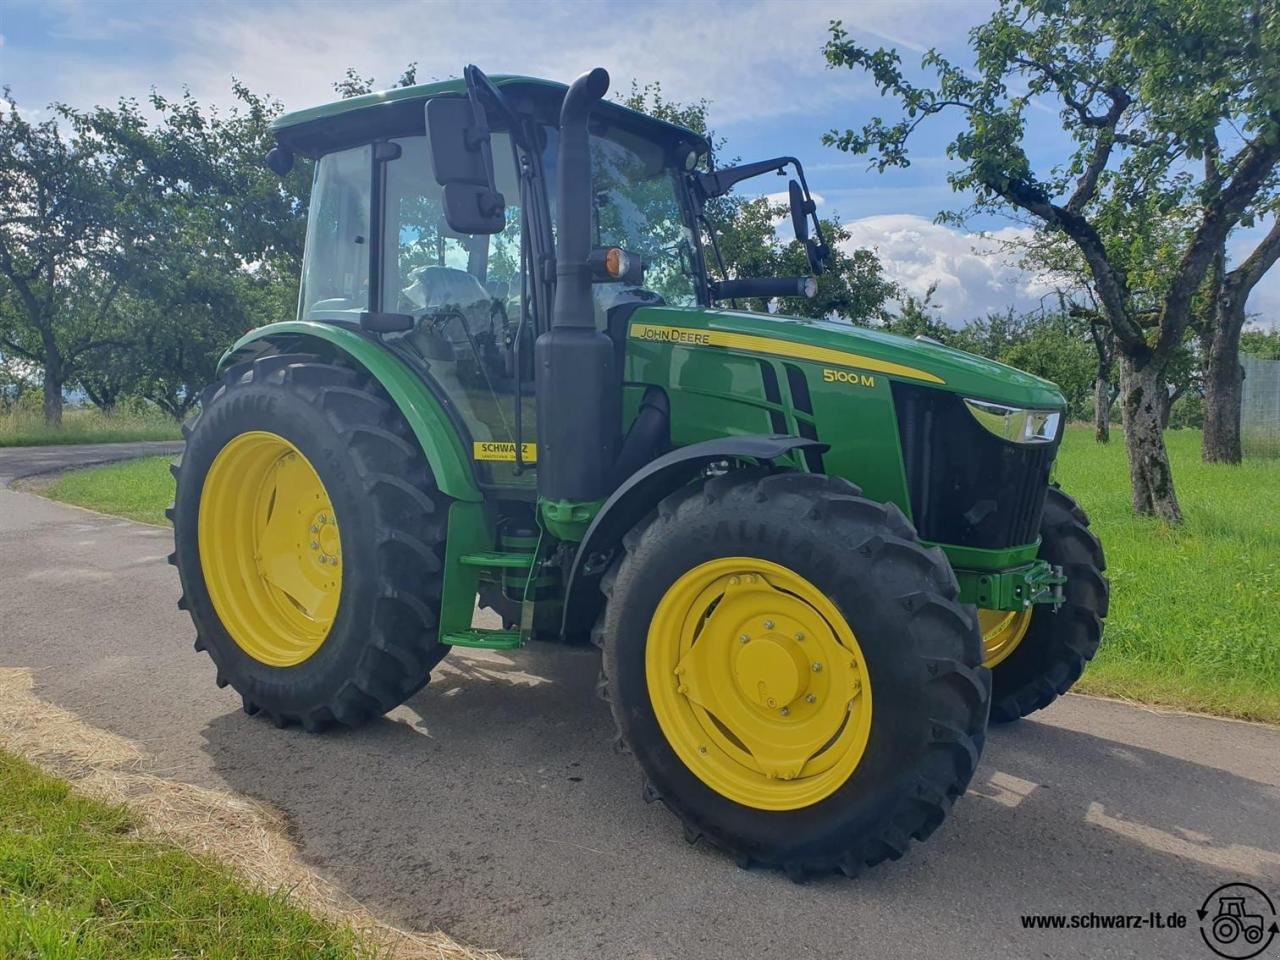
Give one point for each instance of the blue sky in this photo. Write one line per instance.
(759, 63)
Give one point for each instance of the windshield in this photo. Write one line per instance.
(636, 205)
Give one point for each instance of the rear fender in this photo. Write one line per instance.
(641, 493)
(426, 415)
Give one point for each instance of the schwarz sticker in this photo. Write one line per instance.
(846, 376)
(504, 452)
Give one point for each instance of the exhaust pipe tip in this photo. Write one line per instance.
(595, 82)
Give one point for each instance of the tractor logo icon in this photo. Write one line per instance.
(1237, 921)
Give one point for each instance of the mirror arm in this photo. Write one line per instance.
(719, 182)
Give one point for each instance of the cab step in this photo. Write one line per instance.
(480, 638)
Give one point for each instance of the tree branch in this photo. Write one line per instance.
(1252, 166)
(1243, 278)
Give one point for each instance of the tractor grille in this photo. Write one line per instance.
(967, 486)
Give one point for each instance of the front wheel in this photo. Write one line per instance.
(792, 671)
(309, 535)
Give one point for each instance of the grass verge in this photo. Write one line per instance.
(1195, 610)
(78, 882)
(137, 489)
(86, 425)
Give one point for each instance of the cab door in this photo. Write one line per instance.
(464, 294)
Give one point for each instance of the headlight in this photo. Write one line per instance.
(1014, 423)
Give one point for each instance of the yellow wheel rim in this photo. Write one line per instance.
(758, 683)
(1002, 631)
(270, 549)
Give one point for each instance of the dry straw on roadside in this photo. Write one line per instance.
(249, 836)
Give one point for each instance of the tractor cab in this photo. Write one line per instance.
(460, 293)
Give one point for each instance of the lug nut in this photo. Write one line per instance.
(315, 528)
(785, 711)
(734, 581)
(817, 668)
(800, 637)
(315, 545)
(768, 624)
(702, 749)
(811, 699)
(744, 639)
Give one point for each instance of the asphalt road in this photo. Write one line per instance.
(492, 806)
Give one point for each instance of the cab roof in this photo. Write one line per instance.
(332, 126)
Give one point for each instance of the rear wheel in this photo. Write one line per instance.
(309, 535)
(1037, 654)
(792, 671)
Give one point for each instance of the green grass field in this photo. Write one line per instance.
(77, 883)
(1195, 612)
(83, 425)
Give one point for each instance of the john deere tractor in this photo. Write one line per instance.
(816, 557)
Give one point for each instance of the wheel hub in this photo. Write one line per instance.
(270, 548)
(758, 683)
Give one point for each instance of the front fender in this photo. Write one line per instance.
(427, 418)
(642, 492)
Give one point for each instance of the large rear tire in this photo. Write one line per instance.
(309, 534)
(1050, 655)
(792, 671)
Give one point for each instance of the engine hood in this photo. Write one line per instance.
(844, 345)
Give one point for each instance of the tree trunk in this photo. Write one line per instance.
(53, 395)
(1102, 410)
(1223, 382)
(1143, 395)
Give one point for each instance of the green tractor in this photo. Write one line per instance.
(816, 558)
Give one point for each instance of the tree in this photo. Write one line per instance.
(68, 241)
(225, 239)
(1142, 88)
(1220, 339)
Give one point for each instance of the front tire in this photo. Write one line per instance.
(309, 535)
(840, 607)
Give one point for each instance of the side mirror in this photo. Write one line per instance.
(800, 210)
(462, 163)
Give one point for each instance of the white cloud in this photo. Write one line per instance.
(974, 273)
(750, 59)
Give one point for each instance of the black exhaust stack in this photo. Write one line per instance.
(579, 391)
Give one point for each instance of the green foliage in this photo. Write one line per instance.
(1261, 343)
(78, 883)
(225, 241)
(70, 235)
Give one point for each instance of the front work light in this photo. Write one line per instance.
(1016, 424)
